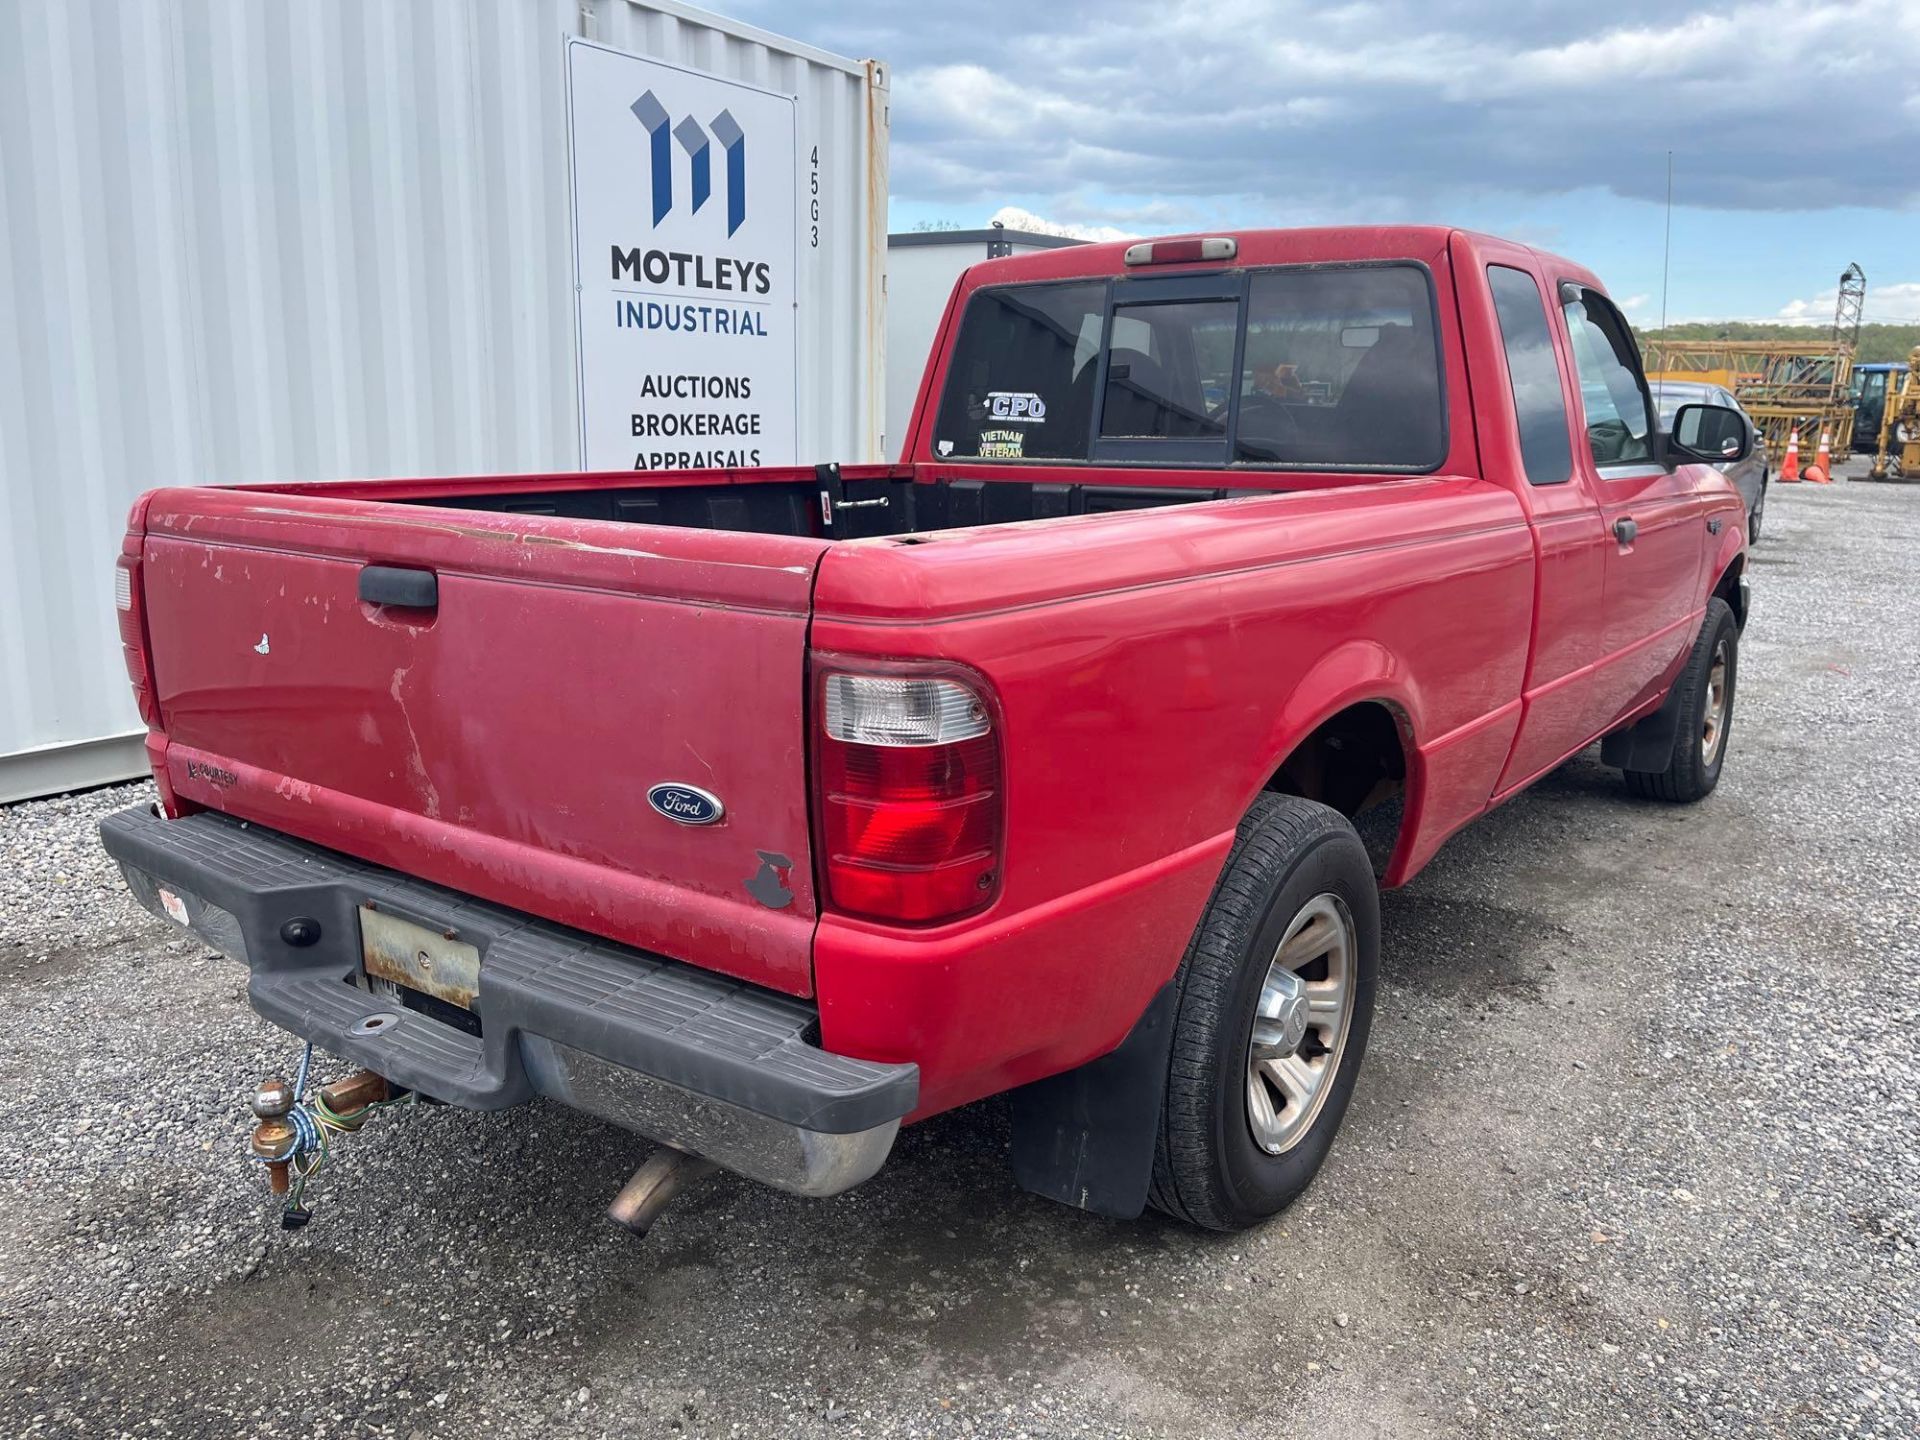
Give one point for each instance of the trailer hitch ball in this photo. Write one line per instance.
(272, 1098)
(273, 1137)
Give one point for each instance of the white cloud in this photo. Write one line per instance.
(976, 99)
(1894, 304)
(1014, 218)
(1635, 303)
(1303, 112)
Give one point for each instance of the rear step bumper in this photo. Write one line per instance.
(689, 1058)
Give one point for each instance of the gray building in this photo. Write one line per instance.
(314, 240)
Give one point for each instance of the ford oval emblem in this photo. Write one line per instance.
(686, 804)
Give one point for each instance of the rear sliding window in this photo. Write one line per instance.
(1170, 370)
(1308, 368)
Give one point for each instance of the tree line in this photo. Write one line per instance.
(1878, 343)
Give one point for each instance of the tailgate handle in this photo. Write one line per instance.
(392, 585)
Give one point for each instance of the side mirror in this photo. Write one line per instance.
(1709, 435)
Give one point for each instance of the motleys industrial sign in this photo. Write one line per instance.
(685, 248)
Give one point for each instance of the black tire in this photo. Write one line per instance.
(1692, 773)
(1759, 511)
(1208, 1168)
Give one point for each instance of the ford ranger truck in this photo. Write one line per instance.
(764, 811)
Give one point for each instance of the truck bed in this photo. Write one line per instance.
(590, 638)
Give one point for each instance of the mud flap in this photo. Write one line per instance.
(1086, 1137)
(1647, 744)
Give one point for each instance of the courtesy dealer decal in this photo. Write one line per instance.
(1016, 407)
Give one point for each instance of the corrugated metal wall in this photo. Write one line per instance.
(319, 239)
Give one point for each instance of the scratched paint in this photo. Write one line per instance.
(416, 761)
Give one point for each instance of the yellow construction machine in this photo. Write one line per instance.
(1898, 457)
(1785, 385)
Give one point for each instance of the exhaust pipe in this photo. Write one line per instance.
(666, 1172)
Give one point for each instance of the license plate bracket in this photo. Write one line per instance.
(433, 962)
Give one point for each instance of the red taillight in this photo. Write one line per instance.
(909, 780)
(132, 608)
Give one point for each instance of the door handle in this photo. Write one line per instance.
(394, 585)
(1624, 529)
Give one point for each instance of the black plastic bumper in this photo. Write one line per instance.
(711, 1064)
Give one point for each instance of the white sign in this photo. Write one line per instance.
(684, 234)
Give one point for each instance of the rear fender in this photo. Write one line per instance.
(1355, 673)
(1085, 1137)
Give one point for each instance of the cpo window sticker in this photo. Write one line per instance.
(1016, 407)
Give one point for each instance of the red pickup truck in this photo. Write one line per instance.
(762, 811)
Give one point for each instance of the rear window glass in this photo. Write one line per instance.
(1021, 383)
(1316, 368)
(1170, 370)
(1342, 370)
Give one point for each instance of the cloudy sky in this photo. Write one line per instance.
(1795, 127)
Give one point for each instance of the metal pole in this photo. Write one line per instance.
(1666, 253)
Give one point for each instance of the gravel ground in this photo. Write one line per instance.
(1636, 1152)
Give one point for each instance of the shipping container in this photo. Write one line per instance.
(333, 238)
(922, 266)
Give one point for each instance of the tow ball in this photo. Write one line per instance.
(273, 1137)
(293, 1139)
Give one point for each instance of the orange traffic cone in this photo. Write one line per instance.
(1821, 471)
(1790, 467)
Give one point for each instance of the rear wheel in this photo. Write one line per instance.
(1758, 513)
(1704, 693)
(1275, 1001)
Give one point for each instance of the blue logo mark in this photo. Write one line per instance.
(661, 133)
(686, 804)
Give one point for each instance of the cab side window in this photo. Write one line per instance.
(1619, 419)
(1539, 403)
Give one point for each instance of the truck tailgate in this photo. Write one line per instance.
(504, 741)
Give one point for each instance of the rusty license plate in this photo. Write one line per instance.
(418, 958)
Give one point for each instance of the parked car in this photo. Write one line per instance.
(1749, 472)
(762, 811)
